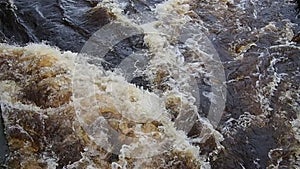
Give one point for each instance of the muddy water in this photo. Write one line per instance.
(257, 42)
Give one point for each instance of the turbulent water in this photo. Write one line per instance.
(150, 84)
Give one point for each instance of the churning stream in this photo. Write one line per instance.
(150, 84)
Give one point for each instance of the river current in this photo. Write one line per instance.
(150, 84)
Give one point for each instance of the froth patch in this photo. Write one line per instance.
(44, 121)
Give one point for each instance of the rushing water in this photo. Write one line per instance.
(154, 84)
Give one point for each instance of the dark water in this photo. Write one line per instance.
(4, 150)
(68, 25)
